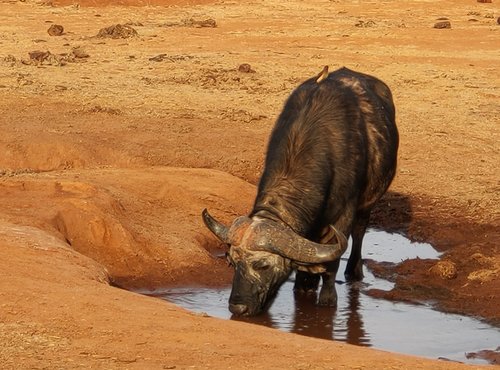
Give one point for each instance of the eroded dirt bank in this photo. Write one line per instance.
(66, 316)
(110, 149)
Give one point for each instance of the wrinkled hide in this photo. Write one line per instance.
(331, 156)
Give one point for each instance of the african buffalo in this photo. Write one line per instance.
(331, 156)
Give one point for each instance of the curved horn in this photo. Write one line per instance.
(228, 235)
(219, 230)
(285, 242)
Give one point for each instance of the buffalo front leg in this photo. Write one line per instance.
(306, 282)
(354, 268)
(328, 293)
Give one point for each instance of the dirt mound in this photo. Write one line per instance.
(162, 246)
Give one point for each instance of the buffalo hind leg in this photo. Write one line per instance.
(354, 268)
(328, 293)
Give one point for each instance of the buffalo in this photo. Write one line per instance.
(331, 156)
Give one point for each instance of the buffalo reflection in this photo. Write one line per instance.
(344, 323)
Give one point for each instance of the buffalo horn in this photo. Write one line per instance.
(219, 230)
(287, 243)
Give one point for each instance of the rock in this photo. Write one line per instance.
(484, 1)
(245, 68)
(117, 31)
(55, 30)
(442, 24)
(79, 52)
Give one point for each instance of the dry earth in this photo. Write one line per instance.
(110, 148)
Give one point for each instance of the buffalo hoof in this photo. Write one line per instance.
(354, 273)
(328, 298)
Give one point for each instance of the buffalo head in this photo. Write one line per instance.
(263, 253)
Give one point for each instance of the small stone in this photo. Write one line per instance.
(55, 30)
(442, 25)
(79, 52)
(484, 1)
(245, 68)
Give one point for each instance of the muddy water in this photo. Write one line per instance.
(360, 319)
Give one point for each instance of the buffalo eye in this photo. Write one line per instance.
(261, 265)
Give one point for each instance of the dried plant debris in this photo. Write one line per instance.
(132, 23)
(9, 60)
(209, 22)
(55, 30)
(39, 57)
(365, 24)
(107, 110)
(16, 172)
(170, 58)
(117, 31)
(191, 22)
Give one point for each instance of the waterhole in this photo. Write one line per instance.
(360, 319)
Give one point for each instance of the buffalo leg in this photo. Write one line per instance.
(328, 293)
(306, 282)
(354, 268)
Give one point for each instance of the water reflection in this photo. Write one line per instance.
(356, 333)
(311, 320)
(360, 319)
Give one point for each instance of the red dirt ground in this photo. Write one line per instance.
(110, 152)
